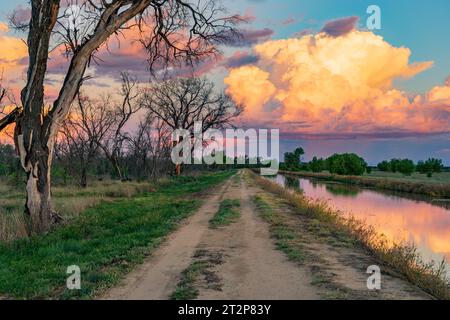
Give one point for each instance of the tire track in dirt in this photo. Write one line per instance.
(156, 278)
(251, 267)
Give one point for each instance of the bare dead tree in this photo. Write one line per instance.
(149, 146)
(160, 148)
(113, 142)
(182, 102)
(82, 132)
(138, 146)
(172, 31)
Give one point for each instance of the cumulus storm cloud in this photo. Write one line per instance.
(337, 82)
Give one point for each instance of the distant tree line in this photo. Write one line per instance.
(344, 164)
(407, 166)
(352, 164)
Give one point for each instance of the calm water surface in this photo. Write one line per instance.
(399, 216)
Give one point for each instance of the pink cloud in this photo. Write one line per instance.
(250, 37)
(340, 27)
(239, 59)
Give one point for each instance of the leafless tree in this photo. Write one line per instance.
(150, 146)
(142, 145)
(113, 142)
(138, 146)
(182, 102)
(172, 30)
(160, 148)
(83, 130)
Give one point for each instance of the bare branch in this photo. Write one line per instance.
(182, 102)
(10, 117)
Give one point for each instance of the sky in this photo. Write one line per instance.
(312, 69)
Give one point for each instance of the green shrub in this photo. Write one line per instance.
(346, 164)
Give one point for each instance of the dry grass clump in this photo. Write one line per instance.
(12, 225)
(112, 189)
(402, 257)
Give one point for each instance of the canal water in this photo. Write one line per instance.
(400, 217)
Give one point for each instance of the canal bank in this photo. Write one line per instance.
(401, 218)
(326, 219)
(434, 190)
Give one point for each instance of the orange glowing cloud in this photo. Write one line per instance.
(4, 27)
(13, 50)
(255, 93)
(318, 84)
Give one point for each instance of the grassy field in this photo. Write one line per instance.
(440, 178)
(437, 186)
(106, 240)
(69, 201)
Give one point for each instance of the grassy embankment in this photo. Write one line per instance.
(105, 241)
(323, 220)
(437, 187)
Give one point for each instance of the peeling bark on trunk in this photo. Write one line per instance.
(36, 161)
(38, 204)
(34, 142)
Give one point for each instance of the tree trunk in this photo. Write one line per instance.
(178, 165)
(34, 142)
(38, 205)
(116, 166)
(178, 169)
(37, 164)
(83, 178)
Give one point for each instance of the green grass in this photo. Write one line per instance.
(105, 241)
(286, 238)
(441, 177)
(200, 273)
(227, 213)
(186, 289)
(68, 201)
